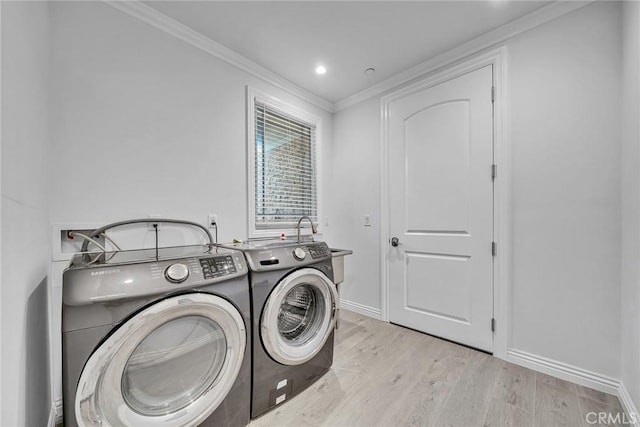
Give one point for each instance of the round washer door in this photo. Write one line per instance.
(172, 364)
(299, 316)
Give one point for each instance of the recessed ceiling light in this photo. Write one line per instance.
(320, 69)
(369, 71)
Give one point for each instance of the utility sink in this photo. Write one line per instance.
(338, 263)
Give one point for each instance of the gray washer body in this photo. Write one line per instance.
(99, 298)
(264, 276)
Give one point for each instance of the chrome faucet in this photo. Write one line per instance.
(313, 227)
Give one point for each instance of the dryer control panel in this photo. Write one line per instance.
(318, 251)
(285, 254)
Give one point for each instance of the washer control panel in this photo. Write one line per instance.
(218, 266)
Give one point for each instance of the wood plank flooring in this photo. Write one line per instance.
(386, 375)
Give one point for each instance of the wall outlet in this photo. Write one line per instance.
(212, 220)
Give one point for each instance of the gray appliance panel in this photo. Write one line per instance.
(269, 389)
(103, 312)
(79, 343)
(279, 255)
(268, 373)
(111, 283)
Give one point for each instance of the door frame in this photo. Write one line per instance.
(501, 189)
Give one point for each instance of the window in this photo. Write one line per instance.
(282, 166)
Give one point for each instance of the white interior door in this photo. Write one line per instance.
(441, 209)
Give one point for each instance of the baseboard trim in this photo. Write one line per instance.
(564, 371)
(628, 405)
(365, 310)
(580, 376)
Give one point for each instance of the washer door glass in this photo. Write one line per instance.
(172, 364)
(299, 316)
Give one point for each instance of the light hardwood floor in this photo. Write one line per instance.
(386, 375)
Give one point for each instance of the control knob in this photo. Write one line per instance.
(177, 273)
(299, 254)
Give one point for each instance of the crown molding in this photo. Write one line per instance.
(476, 45)
(170, 26)
(488, 40)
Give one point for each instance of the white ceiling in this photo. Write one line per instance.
(292, 38)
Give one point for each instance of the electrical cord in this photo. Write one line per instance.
(115, 245)
(94, 260)
(103, 248)
(88, 239)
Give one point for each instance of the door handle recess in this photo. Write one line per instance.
(395, 242)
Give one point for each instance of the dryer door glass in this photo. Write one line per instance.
(174, 365)
(299, 316)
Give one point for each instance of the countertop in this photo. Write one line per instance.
(335, 252)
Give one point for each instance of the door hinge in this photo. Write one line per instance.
(494, 249)
(494, 172)
(493, 93)
(493, 324)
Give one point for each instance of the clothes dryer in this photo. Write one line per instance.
(157, 337)
(294, 303)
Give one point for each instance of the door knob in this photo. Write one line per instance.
(394, 241)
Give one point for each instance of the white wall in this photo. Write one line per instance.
(25, 214)
(1, 365)
(356, 193)
(630, 291)
(564, 91)
(143, 123)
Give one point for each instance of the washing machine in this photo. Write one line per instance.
(294, 303)
(157, 337)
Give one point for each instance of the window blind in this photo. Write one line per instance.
(285, 168)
